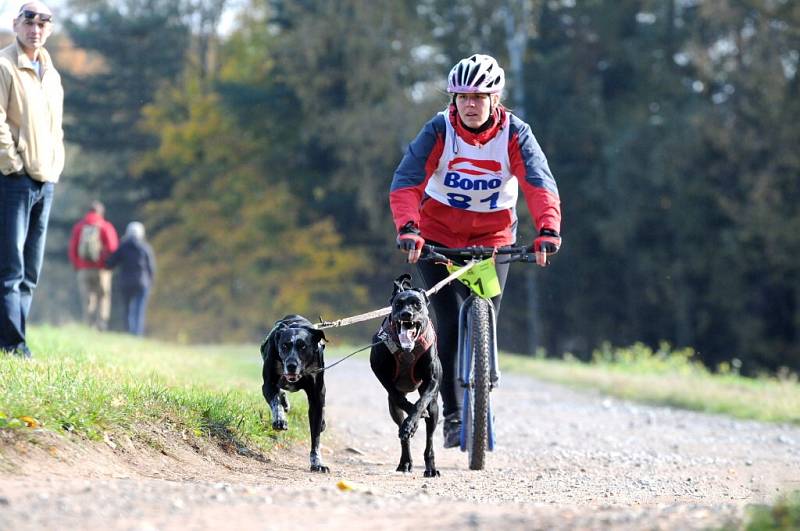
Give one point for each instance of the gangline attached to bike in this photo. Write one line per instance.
(478, 368)
(383, 312)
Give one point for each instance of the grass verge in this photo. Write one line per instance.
(91, 384)
(783, 515)
(673, 378)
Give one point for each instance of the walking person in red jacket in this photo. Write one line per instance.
(93, 240)
(457, 186)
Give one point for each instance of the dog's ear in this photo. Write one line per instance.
(269, 340)
(424, 297)
(401, 283)
(318, 336)
(265, 345)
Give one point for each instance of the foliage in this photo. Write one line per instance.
(138, 43)
(783, 515)
(670, 128)
(236, 229)
(353, 109)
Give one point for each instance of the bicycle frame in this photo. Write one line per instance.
(478, 363)
(464, 367)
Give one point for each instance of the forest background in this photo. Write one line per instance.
(258, 153)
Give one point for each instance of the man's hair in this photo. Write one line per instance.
(98, 207)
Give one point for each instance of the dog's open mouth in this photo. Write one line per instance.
(408, 334)
(292, 378)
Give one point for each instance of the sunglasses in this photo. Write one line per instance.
(31, 15)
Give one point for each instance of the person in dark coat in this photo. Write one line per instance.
(137, 271)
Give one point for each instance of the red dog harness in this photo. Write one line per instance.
(406, 361)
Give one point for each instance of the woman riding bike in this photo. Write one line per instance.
(457, 186)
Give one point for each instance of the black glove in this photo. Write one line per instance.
(410, 241)
(548, 241)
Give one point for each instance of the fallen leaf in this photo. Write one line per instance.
(344, 486)
(29, 421)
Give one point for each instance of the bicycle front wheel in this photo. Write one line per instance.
(480, 344)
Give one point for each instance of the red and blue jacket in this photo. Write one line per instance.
(456, 224)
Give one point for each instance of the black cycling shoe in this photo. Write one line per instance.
(451, 429)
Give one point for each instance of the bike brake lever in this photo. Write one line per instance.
(438, 257)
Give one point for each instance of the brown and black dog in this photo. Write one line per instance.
(293, 360)
(405, 360)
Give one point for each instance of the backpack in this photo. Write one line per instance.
(90, 246)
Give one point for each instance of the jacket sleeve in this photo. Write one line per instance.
(411, 176)
(113, 259)
(151, 263)
(529, 165)
(10, 161)
(72, 250)
(110, 239)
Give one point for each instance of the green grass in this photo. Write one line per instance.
(783, 515)
(671, 378)
(91, 384)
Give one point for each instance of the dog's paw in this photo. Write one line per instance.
(407, 429)
(405, 468)
(432, 473)
(320, 468)
(280, 425)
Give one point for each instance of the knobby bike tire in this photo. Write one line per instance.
(479, 440)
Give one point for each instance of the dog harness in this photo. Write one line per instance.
(406, 361)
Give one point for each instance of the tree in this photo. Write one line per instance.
(234, 255)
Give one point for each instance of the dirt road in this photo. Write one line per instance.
(566, 460)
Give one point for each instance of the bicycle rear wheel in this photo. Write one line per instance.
(480, 344)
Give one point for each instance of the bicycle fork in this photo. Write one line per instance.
(465, 367)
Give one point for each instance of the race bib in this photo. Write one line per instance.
(481, 278)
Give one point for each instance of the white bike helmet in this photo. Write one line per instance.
(476, 74)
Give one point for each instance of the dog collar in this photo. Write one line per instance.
(405, 361)
(388, 335)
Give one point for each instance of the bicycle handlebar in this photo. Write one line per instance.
(512, 253)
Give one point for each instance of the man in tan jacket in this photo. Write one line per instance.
(31, 161)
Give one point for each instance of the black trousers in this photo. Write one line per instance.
(446, 304)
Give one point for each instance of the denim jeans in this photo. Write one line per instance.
(135, 300)
(24, 213)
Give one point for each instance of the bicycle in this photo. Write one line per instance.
(478, 369)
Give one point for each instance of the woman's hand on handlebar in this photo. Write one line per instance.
(409, 241)
(548, 242)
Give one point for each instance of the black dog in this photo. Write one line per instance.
(405, 360)
(293, 360)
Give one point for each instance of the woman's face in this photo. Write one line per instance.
(474, 109)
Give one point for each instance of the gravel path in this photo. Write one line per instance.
(565, 460)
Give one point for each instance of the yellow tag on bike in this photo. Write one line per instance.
(481, 278)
